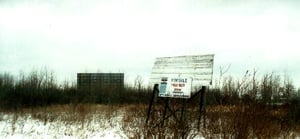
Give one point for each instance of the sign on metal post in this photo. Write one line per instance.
(197, 68)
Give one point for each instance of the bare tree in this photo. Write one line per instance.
(138, 83)
(288, 86)
(222, 72)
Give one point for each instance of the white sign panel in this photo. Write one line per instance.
(197, 67)
(176, 87)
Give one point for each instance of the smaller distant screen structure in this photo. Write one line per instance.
(98, 81)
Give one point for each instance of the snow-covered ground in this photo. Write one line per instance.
(97, 122)
(26, 127)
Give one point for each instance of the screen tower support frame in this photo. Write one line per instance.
(168, 111)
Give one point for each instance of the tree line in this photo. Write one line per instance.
(41, 88)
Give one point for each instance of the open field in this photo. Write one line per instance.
(36, 106)
(128, 121)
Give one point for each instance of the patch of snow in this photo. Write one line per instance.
(26, 127)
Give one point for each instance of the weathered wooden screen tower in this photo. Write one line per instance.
(183, 77)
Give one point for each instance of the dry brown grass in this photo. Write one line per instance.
(248, 121)
(222, 121)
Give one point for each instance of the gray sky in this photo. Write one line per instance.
(70, 36)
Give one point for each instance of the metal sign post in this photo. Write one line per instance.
(155, 91)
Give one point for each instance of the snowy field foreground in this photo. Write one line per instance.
(25, 126)
(80, 122)
(84, 121)
(53, 125)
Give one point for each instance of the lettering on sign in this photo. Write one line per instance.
(177, 87)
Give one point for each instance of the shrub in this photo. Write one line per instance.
(294, 110)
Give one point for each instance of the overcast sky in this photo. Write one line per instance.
(70, 36)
